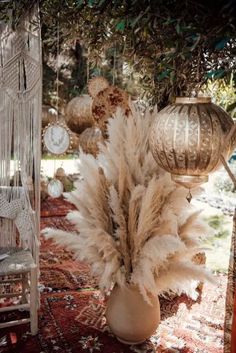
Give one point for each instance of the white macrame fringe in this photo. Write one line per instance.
(20, 126)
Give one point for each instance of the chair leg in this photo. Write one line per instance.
(33, 301)
(24, 287)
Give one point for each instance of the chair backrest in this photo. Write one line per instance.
(16, 226)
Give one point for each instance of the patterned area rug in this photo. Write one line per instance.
(73, 322)
(51, 207)
(71, 317)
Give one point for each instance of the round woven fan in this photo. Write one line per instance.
(106, 103)
(96, 85)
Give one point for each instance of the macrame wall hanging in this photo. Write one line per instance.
(20, 126)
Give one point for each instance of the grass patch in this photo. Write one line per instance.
(59, 157)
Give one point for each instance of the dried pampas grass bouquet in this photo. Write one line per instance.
(134, 224)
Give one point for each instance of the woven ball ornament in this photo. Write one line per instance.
(55, 188)
(96, 85)
(79, 113)
(90, 139)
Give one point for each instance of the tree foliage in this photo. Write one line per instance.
(171, 46)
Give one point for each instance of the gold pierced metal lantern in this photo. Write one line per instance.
(188, 138)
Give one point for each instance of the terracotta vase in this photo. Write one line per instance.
(130, 317)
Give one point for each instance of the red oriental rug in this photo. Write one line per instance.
(71, 317)
(51, 207)
(73, 322)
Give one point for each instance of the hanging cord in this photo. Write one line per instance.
(87, 78)
(57, 79)
(114, 67)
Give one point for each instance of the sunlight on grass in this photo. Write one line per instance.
(218, 243)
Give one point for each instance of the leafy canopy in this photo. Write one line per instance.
(174, 46)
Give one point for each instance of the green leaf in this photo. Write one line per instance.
(91, 3)
(121, 25)
(163, 75)
(215, 74)
(169, 21)
(79, 2)
(101, 2)
(178, 29)
(222, 43)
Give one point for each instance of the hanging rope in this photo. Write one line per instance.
(88, 68)
(114, 68)
(58, 52)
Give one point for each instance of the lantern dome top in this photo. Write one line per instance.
(192, 100)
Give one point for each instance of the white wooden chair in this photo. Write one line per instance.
(18, 254)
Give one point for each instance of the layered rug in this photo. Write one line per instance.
(71, 317)
(51, 207)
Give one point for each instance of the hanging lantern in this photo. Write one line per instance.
(189, 137)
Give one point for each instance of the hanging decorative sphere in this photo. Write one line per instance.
(60, 172)
(79, 113)
(96, 85)
(188, 138)
(55, 188)
(90, 139)
(106, 103)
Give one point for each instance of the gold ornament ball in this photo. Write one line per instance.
(96, 85)
(79, 113)
(188, 137)
(106, 103)
(90, 139)
(55, 188)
